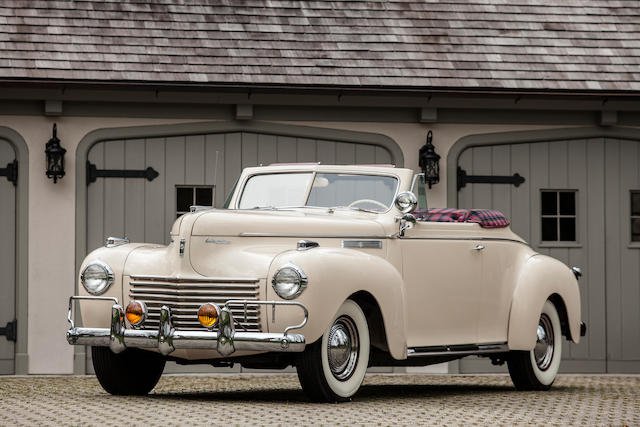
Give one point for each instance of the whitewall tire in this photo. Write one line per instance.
(332, 368)
(537, 369)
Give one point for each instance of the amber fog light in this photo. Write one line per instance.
(136, 313)
(208, 315)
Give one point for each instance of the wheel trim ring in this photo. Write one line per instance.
(544, 349)
(341, 367)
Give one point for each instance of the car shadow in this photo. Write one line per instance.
(377, 393)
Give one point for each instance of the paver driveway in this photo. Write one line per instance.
(278, 399)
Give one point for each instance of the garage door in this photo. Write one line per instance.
(7, 259)
(195, 169)
(579, 203)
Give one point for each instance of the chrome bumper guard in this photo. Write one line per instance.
(167, 339)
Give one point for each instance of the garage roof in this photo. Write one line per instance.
(574, 45)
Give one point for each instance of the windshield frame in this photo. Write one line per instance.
(310, 186)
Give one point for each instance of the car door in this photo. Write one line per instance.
(442, 272)
(501, 264)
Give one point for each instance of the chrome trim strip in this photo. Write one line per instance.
(362, 244)
(179, 279)
(317, 236)
(486, 239)
(460, 350)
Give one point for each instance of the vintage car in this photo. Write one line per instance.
(331, 269)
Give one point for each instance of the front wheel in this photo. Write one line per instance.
(538, 368)
(332, 368)
(132, 372)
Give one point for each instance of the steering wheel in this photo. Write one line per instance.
(373, 202)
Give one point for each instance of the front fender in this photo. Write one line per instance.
(96, 314)
(540, 278)
(333, 275)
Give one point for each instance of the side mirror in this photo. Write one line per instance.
(406, 202)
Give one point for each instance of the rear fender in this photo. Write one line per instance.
(540, 278)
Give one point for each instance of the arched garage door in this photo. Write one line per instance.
(7, 260)
(580, 203)
(194, 169)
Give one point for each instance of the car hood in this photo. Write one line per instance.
(242, 244)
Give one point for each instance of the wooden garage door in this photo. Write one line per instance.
(575, 205)
(144, 211)
(7, 258)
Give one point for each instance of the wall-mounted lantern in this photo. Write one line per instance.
(55, 157)
(429, 162)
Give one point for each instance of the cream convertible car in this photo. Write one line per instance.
(330, 269)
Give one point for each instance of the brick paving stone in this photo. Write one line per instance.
(277, 399)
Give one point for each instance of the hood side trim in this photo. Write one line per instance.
(317, 236)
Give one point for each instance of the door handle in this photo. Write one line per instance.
(478, 248)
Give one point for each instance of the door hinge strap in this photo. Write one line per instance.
(463, 179)
(11, 172)
(10, 331)
(94, 173)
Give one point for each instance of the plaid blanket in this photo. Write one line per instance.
(485, 217)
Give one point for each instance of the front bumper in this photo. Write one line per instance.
(167, 339)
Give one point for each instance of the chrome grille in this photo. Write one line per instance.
(185, 295)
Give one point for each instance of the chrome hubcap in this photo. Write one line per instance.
(543, 351)
(342, 348)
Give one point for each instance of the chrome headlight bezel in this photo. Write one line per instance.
(105, 282)
(406, 202)
(289, 289)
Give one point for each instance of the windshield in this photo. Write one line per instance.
(365, 192)
(273, 190)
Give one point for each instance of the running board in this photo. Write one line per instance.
(463, 349)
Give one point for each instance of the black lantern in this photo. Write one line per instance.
(55, 157)
(429, 162)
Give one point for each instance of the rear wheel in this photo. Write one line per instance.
(538, 368)
(332, 368)
(132, 372)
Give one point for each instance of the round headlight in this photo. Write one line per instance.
(289, 281)
(97, 277)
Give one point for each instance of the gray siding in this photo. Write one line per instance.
(602, 171)
(7, 260)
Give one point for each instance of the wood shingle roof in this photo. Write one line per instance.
(574, 45)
